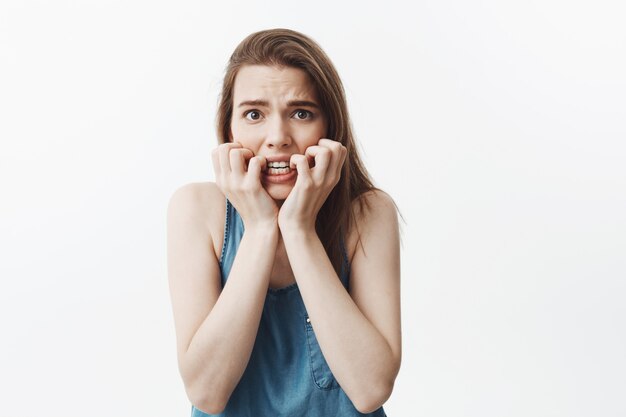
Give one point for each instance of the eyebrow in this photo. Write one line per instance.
(292, 103)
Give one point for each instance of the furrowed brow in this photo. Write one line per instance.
(303, 103)
(292, 103)
(254, 103)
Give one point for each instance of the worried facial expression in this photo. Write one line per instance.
(276, 113)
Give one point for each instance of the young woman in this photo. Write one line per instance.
(285, 273)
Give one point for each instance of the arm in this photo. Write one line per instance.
(215, 328)
(359, 333)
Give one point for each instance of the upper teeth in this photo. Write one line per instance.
(282, 164)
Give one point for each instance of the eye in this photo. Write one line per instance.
(254, 113)
(305, 113)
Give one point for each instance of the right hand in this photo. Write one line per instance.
(241, 184)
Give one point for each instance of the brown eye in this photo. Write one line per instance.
(305, 114)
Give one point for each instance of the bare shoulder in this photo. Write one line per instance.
(203, 204)
(374, 202)
(374, 211)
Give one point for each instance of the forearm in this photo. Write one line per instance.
(359, 356)
(220, 350)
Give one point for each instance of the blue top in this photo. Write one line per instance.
(287, 375)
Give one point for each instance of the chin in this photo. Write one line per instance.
(278, 191)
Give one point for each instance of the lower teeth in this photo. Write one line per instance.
(275, 171)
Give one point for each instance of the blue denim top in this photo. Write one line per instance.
(287, 375)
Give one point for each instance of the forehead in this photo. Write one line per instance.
(270, 82)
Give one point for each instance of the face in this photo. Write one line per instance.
(276, 113)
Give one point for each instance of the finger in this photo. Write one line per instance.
(257, 164)
(238, 158)
(330, 144)
(216, 157)
(339, 154)
(323, 158)
(333, 145)
(301, 163)
(224, 150)
(343, 155)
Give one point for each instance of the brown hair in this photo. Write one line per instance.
(285, 47)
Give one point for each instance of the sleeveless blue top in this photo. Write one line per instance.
(287, 375)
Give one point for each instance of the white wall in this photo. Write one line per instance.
(499, 127)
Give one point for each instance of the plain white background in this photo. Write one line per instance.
(498, 127)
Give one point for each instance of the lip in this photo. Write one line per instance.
(277, 158)
(279, 178)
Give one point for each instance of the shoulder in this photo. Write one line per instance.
(373, 212)
(200, 200)
(203, 205)
(372, 204)
(195, 194)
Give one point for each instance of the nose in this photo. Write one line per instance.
(278, 135)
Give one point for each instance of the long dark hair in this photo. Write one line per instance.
(285, 47)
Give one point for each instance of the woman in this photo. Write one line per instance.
(285, 273)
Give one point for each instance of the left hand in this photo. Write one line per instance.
(313, 185)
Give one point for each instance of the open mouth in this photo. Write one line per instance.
(279, 172)
(278, 168)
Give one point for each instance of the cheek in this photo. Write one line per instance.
(236, 130)
(310, 138)
(247, 138)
